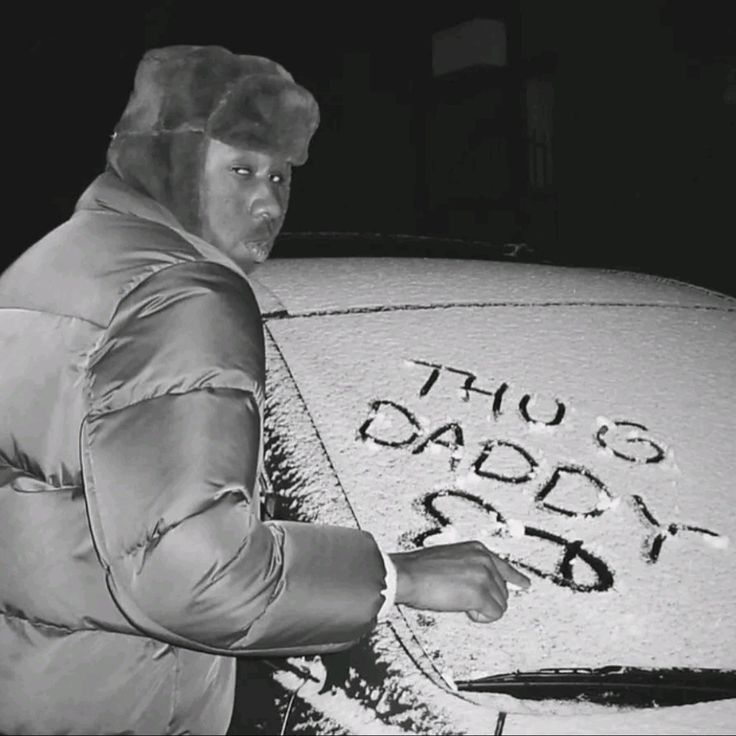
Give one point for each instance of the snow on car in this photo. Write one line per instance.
(580, 422)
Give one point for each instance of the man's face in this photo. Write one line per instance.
(244, 198)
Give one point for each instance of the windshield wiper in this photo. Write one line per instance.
(612, 685)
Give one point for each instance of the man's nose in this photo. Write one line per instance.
(265, 207)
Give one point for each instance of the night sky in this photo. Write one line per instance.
(641, 131)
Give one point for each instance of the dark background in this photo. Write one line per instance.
(607, 138)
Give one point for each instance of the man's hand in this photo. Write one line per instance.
(456, 577)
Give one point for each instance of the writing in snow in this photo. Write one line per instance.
(571, 489)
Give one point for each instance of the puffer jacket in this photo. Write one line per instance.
(134, 565)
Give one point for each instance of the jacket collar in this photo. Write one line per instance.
(109, 192)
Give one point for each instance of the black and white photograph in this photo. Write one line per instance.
(370, 370)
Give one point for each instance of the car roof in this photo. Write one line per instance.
(310, 285)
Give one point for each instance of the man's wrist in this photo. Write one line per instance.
(404, 577)
(390, 583)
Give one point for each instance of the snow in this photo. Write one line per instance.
(609, 365)
(450, 535)
(606, 502)
(711, 718)
(336, 706)
(720, 542)
(314, 284)
(515, 528)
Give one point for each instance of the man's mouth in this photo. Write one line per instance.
(258, 249)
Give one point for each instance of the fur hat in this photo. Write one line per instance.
(184, 94)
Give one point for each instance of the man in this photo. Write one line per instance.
(135, 564)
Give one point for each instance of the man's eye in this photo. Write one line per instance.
(241, 171)
(278, 178)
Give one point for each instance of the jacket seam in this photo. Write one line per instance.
(53, 314)
(46, 624)
(26, 471)
(278, 587)
(105, 412)
(158, 532)
(35, 476)
(174, 690)
(135, 284)
(155, 271)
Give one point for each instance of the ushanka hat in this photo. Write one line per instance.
(184, 95)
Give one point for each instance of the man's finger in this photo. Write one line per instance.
(499, 582)
(496, 595)
(480, 618)
(511, 574)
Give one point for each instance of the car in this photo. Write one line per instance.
(578, 421)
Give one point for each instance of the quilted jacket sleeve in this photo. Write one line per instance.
(170, 451)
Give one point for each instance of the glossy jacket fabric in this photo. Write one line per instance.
(134, 564)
